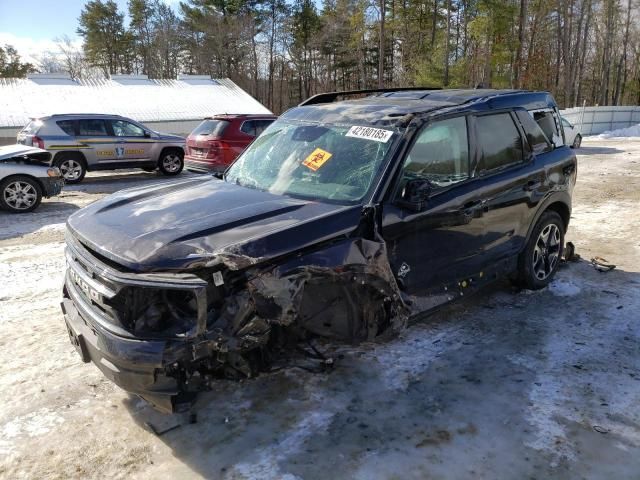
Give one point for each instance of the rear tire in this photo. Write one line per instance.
(538, 262)
(20, 194)
(72, 167)
(171, 162)
(577, 141)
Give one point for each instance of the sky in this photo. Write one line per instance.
(31, 26)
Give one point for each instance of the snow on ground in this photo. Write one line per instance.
(503, 384)
(629, 132)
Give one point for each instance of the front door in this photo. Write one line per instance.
(439, 247)
(131, 144)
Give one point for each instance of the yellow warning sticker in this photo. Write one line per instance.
(317, 158)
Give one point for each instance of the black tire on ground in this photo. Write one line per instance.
(20, 194)
(577, 141)
(171, 161)
(72, 166)
(538, 262)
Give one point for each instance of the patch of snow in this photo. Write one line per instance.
(32, 424)
(564, 288)
(629, 132)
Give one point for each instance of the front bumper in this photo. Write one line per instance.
(52, 186)
(137, 366)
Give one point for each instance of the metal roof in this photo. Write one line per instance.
(189, 98)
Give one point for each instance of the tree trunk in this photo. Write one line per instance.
(382, 4)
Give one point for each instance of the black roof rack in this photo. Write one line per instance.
(330, 97)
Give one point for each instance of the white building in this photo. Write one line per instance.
(169, 106)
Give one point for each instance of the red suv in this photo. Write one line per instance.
(217, 141)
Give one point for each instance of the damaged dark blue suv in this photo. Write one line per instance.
(342, 220)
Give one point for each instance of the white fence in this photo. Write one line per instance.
(595, 120)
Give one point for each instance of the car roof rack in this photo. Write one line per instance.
(330, 97)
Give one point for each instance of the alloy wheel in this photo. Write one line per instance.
(20, 195)
(546, 252)
(171, 163)
(71, 169)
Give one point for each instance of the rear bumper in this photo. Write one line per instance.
(51, 186)
(137, 366)
(200, 165)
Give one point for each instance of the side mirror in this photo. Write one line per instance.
(415, 194)
(219, 175)
(147, 134)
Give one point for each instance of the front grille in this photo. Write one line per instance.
(141, 305)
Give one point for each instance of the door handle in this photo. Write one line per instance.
(532, 185)
(470, 209)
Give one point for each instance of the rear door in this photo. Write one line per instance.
(131, 144)
(95, 133)
(512, 180)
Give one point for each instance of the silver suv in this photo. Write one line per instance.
(85, 142)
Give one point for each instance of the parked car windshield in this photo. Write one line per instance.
(321, 162)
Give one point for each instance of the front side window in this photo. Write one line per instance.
(440, 153)
(321, 162)
(92, 127)
(122, 128)
(499, 142)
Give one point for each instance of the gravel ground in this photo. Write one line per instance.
(504, 384)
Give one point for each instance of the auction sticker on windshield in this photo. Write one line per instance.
(369, 133)
(317, 158)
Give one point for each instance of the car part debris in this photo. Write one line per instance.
(159, 433)
(601, 264)
(569, 254)
(600, 429)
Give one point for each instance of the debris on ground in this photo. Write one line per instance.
(601, 264)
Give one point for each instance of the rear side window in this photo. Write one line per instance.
(67, 126)
(535, 136)
(499, 142)
(210, 127)
(547, 122)
(92, 127)
(440, 153)
(249, 127)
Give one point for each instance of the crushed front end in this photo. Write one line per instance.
(166, 336)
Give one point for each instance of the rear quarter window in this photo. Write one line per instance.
(213, 128)
(32, 127)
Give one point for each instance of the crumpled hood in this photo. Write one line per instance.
(18, 152)
(190, 223)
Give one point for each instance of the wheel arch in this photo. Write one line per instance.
(165, 150)
(559, 203)
(28, 175)
(79, 155)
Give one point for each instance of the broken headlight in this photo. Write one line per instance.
(157, 312)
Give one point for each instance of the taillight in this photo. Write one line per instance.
(37, 142)
(216, 147)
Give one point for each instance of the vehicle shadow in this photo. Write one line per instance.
(49, 217)
(597, 150)
(448, 379)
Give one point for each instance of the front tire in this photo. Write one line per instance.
(72, 167)
(539, 261)
(577, 141)
(20, 194)
(171, 162)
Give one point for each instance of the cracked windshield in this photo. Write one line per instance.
(320, 162)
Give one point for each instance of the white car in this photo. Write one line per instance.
(25, 177)
(571, 135)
